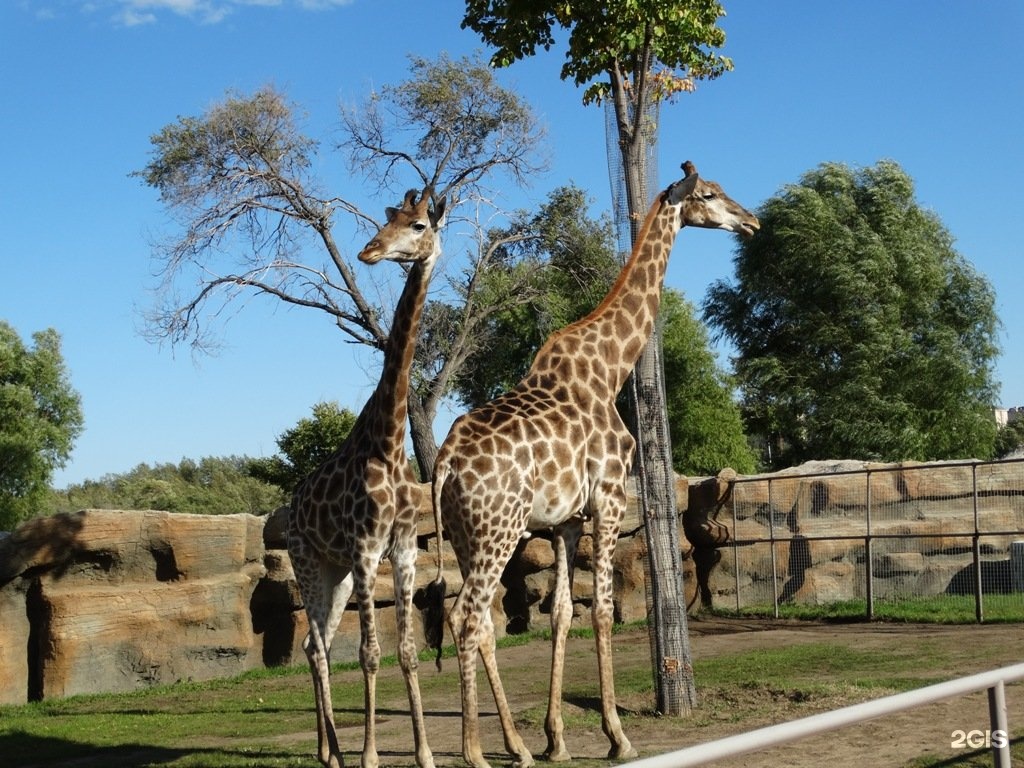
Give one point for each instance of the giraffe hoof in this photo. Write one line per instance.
(559, 755)
(623, 751)
(523, 761)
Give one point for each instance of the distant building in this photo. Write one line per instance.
(1006, 415)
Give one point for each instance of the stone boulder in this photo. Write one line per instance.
(113, 601)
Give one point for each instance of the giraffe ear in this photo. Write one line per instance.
(389, 213)
(438, 216)
(682, 188)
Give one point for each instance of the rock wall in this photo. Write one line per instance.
(109, 600)
(106, 600)
(112, 601)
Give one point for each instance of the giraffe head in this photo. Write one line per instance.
(704, 204)
(411, 232)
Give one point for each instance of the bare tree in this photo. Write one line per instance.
(253, 218)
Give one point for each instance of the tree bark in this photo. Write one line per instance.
(421, 432)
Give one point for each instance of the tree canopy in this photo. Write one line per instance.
(210, 486)
(251, 217)
(622, 38)
(860, 331)
(305, 446)
(560, 262)
(40, 419)
(704, 419)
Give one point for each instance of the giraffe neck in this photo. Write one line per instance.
(386, 411)
(615, 333)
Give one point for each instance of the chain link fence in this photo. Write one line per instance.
(939, 541)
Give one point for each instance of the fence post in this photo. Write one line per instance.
(979, 610)
(998, 721)
(1017, 566)
(771, 544)
(868, 558)
(735, 549)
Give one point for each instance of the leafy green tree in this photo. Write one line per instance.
(561, 268)
(40, 419)
(1010, 439)
(707, 428)
(305, 446)
(211, 486)
(861, 332)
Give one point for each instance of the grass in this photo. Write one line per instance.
(939, 609)
(264, 719)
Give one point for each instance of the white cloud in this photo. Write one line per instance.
(133, 13)
(129, 17)
(321, 5)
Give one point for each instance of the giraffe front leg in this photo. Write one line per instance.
(369, 658)
(565, 543)
(325, 589)
(328, 751)
(605, 536)
(404, 573)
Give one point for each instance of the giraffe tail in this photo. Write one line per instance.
(433, 611)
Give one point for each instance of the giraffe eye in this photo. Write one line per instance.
(709, 196)
(419, 226)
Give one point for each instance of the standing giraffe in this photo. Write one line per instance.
(360, 505)
(552, 453)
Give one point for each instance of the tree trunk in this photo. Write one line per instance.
(670, 642)
(421, 432)
(675, 692)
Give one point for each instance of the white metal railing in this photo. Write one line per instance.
(782, 733)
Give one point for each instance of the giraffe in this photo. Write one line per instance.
(553, 453)
(360, 505)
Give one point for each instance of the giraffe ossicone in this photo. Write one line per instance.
(550, 453)
(360, 505)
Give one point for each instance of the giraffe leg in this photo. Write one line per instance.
(463, 620)
(605, 535)
(565, 543)
(325, 595)
(369, 654)
(514, 744)
(404, 564)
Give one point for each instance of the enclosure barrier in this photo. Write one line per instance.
(959, 525)
(733, 746)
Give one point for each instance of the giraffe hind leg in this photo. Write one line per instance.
(565, 542)
(514, 744)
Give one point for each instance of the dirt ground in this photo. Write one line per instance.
(892, 740)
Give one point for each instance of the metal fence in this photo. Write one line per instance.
(938, 536)
(762, 738)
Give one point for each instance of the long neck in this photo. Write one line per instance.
(388, 406)
(611, 338)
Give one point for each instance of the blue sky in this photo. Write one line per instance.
(936, 85)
